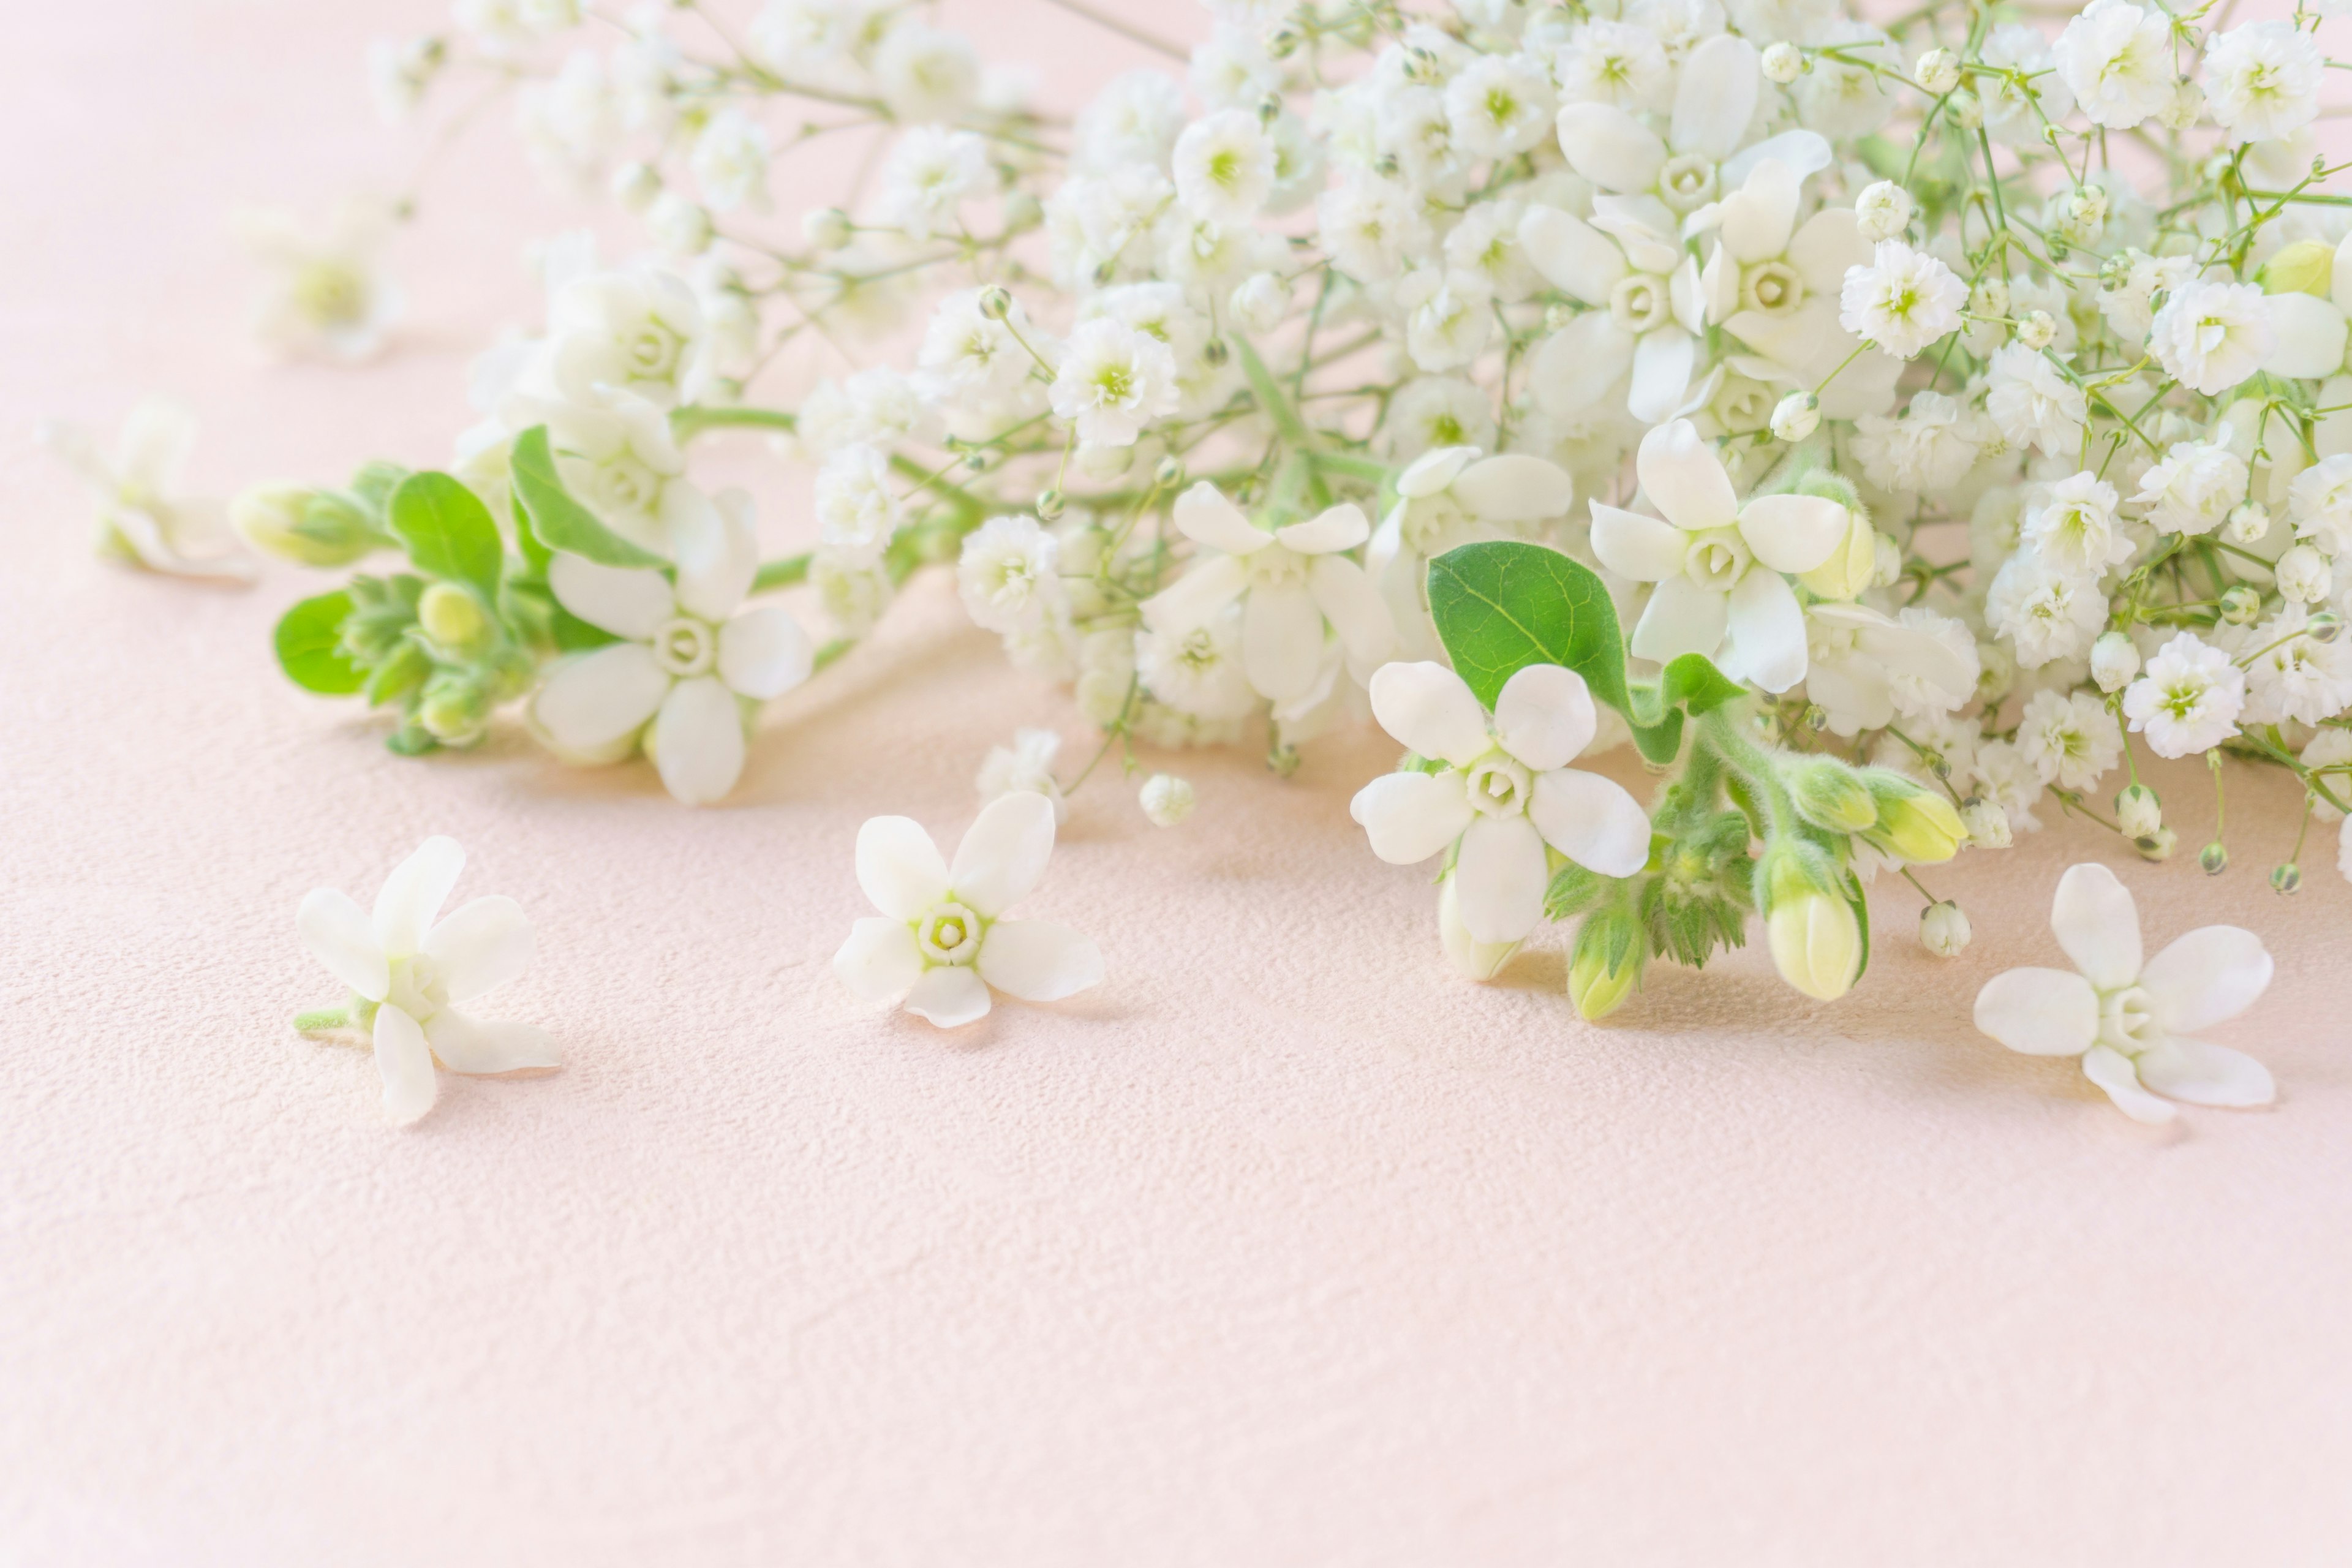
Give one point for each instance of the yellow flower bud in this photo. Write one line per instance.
(1915, 823)
(296, 522)
(1850, 565)
(2306, 267)
(453, 617)
(1481, 961)
(1830, 794)
(1816, 944)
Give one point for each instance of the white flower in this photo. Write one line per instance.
(1944, 930)
(799, 37)
(2127, 303)
(1026, 764)
(926, 73)
(1883, 212)
(2212, 336)
(140, 517)
(1930, 449)
(1436, 411)
(1449, 317)
(932, 171)
(1647, 309)
(571, 123)
(638, 331)
(2032, 403)
(2196, 486)
(941, 940)
(730, 161)
(1506, 792)
(1865, 666)
(1113, 380)
(2304, 576)
(1701, 155)
(1297, 589)
(2069, 738)
(688, 660)
(1133, 121)
(325, 292)
(2320, 501)
(1451, 496)
(1902, 300)
(2263, 80)
(2292, 675)
(967, 351)
(2010, 111)
(2189, 697)
(2072, 525)
(410, 969)
(2115, 57)
(1224, 167)
(1718, 564)
(2130, 1020)
(1367, 225)
(1009, 574)
(1166, 799)
(1197, 670)
(2045, 613)
(1615, 63)
(1500, 105)
(618, 457)
(1999, 776)
(2114, 661)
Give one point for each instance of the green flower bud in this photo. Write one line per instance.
(453, 617)
(1481, 961)
(1915, 822)
(1815, 941)
(454, 709)
(2306, 267)
(2214, 858)
(298, 524)
(1606, 964)
(2158, 846)
(1830, 794)
(2287, 879)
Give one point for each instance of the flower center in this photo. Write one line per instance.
(1771, 287)
(626, 484)
(418, 987)
(331, 293)
(653, 353)
(2128, 1020)
(1497, 785)
(1687, 183)
(950, 933)
(1637, 303)
(1276, 566)
(1718, 558)
(1114, 384)
(684, 647)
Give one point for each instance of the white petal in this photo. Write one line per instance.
(1572, 254)
(1591, 820)
(1804, 151)
(483, 1047)
(1433, 470)
(1207, 518)
(1282, 640)
(2112, 1070)
(1824, 248)
(1641, 548)
(413, 895)
(1662, 371)
(1353, 605)
(763, 653)
(628, 601)
(899, 867)
(1793, 534)
(1038, 961)
(1503, 874)
(698, 740)
(716, 563)
(2202, 1074)
(1768, 631)
(948, 995)
(588, 702)
(2212, 974)
(2098, 925)
(1412, 816)
(405, 1063)
(157, 438)
(1198, 596)
(1681, 617)
(1513, 487)
(1760, 215)
(880, 958)
(1576, 366)
(1716, 96)
(2041, 1012)
(481, 947)
(1003, 852)
(1609, 147)
(1544, 716)
(1684, 479)
(2311, 335)
(1342, 527)
(340, 936)
(1428, 707)
(2339, 286)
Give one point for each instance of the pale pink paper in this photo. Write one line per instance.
(1285, 1247)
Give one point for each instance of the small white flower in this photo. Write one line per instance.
(2193, 489)
(1866, 667)
(1506, 792)
(2010, 105)
(1113, 380)
(1883, 211)
(926, 73)
(2188, 698)
(1615, 63)
(1930, 449)
(1009, 574)
(1718, 564)
(638, 331)
(968, 351)
(1904, 300)
(1166, 799)
(1026, 764)
(2031, 403)
(141, 518)
(941, 940)
(409, 968)
(2069, 738)
(2115, 57)
(730, 161)
(1198, 671)
(2320, 501)
(618, 457)
(2129, 1019)
(2072, 525)
(2263, 80)
(1224, 167)
(1500, 105)
(2114, 661)
(1648, 308)
(325, 292)
(1796, 416)
(1944, 930)
(687, 663)
(2291, 675)
(2045, 613)
(1369, 226)
(1448, 317)
(2304, 576)
(931, 174)
(2212, 336)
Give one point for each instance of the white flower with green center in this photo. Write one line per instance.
(409, 970)
(2132, 1021)
(325, 294)
(638, 331)
(2189, 697)
(1902, 300)
(1225, 167)
(141, 518)
(1113, 380)
(688, 664)
(941, 940)
(1646, 310)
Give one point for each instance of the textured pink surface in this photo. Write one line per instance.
(1285, 1247)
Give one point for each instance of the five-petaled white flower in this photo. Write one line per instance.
(409, 970)
(141, 519)
(325, 294)
(1647, 312)
(941, 940)
(1718, 564)
(1506, 791)
(1292, 582)
(2130, 1020)
(688, 660)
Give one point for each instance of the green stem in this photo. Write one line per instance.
(319, 1019)
(784, 574)
(696, 417)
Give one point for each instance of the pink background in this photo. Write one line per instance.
(1284, 1247)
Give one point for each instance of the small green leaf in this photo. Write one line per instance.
(1503, 605)
(449, 531)
(309, 646)
(1690, 681)
(535, 553)
(411, 740)
(559, 521)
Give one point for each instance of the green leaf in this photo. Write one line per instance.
(309, 646)
(1690, 681)
(1503, 605)
(559, 521)
(535, 553)
(449, 532)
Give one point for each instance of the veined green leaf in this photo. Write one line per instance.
(557, 521)
(309, 646)
(449, 532)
